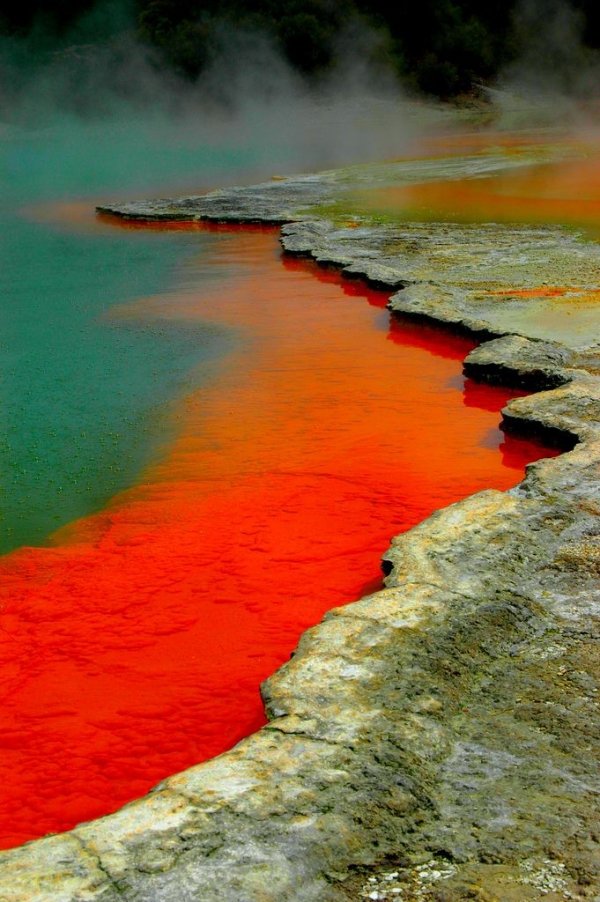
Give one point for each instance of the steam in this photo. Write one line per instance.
(554, 72)
(248, 116)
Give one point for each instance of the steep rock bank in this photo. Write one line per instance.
(434, 740)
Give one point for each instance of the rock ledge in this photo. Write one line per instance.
(435, 740)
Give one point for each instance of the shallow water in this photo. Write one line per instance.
(81, 399)
(228, 439)
(135, 645)
(565, 192)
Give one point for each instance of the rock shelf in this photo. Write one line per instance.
(436, 740)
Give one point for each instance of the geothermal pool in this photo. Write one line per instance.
(293, 427)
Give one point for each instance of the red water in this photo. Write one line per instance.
(134, 647)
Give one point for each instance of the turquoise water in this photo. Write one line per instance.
(84, 399)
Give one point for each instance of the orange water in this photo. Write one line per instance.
(560, 192)
(134, 646)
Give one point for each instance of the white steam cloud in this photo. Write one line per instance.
(554, 70)
(249, 108)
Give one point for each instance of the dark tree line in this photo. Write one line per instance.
(442, 47)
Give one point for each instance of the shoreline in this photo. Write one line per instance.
(405, 752)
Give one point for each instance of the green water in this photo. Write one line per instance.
(83, 398)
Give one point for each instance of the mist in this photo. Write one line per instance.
(106, 115)
(554, 75)
(99, 120)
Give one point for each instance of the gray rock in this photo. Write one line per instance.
(514, 360)
(272, 202)
(472, 277)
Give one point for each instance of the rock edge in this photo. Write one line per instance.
(434, 740)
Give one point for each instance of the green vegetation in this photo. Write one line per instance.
(441, 47)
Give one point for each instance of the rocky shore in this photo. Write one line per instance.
(437, 740)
